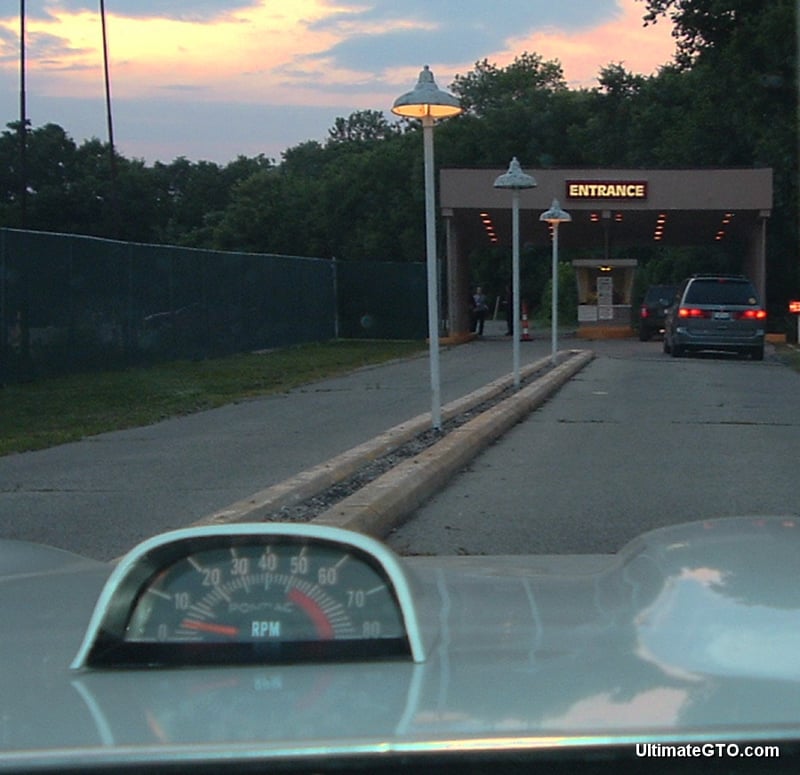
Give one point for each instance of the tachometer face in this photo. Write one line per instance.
(238, 599)
(265, 594)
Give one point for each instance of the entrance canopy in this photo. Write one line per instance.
(610, 208)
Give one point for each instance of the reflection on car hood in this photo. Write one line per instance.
(690, 633)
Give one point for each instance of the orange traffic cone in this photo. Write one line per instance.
(526, 337)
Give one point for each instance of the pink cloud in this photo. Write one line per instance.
(583, 54)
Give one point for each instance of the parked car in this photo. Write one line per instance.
(716, 312)
(652, 311)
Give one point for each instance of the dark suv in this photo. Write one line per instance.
(652, 311)
(716, 312)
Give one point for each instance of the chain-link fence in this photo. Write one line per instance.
(71, 303)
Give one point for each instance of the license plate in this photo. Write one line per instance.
(722, 316)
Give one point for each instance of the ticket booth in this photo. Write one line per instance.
(605, 294)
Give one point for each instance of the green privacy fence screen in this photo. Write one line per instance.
(71, 303)
(381, 300)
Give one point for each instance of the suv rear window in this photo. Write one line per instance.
(721, 291)
(656, 293)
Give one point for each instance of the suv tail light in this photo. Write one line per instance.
(693, 312)
(752, 314)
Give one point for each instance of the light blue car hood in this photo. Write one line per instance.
(691, 633)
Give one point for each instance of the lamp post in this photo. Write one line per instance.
(515, 179)
(428, 103)
(554, 216)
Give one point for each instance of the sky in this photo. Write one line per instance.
(214, 79)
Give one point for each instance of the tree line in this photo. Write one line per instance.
(728, 98)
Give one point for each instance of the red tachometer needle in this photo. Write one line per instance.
(216, 629)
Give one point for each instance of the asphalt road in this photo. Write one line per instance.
(636, 440)
(102, 495)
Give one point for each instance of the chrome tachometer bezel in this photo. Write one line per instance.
(105, 644)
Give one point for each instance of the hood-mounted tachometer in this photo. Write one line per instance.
(250, 594)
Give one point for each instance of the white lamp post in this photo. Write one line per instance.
(516, 180)
(554, 216)
(428, 103)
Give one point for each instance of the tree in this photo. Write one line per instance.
(509, 111)
(308, 158)
(372, 202)
(740, 57)
(701, 26)
(362, 126)
(271, 212)
(10, 176)
(488, 87)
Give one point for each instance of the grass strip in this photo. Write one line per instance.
(54, 411)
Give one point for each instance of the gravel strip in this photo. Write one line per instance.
(316, 505)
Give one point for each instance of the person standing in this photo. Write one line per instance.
(480, 307)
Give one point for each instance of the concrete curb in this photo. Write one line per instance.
(386, 502)
(315, 480)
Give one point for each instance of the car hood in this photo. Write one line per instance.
(690, 633)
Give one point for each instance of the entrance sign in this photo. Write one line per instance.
(606, 189)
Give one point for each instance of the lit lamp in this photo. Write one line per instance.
(427, 102)
(515, 179)
(554, 216)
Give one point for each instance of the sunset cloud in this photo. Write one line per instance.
(245, 62)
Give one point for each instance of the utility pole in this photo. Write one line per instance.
(112, 156)
(23, 124)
